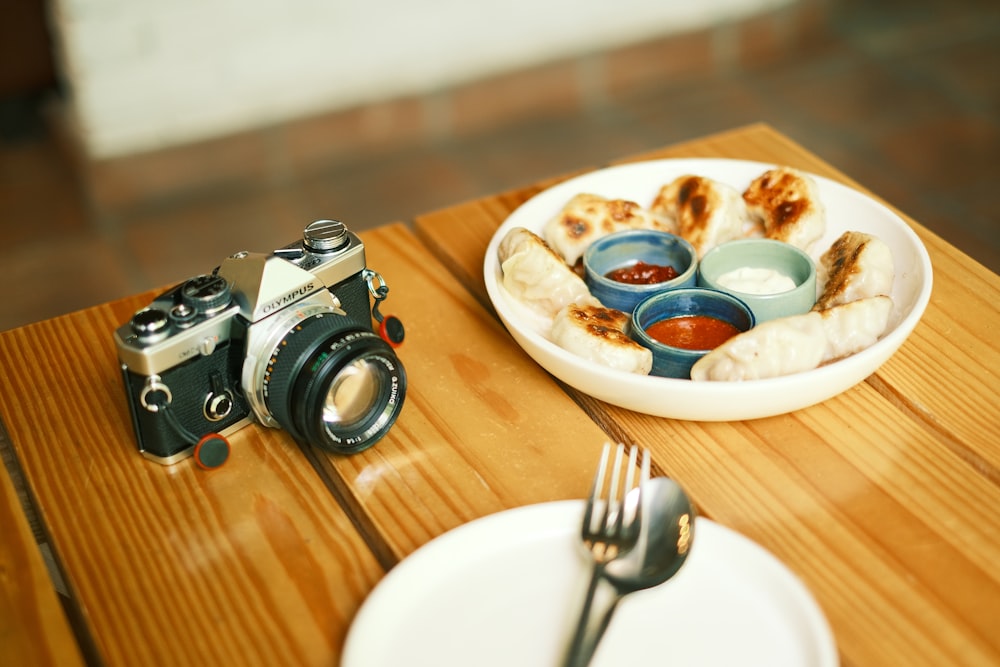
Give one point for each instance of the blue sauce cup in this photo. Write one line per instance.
(676, 362)
(623, 249)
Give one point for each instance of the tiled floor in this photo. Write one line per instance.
(901, 95)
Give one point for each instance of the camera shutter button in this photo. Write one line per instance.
(148, 323)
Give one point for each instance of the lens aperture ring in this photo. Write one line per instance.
(287, 360)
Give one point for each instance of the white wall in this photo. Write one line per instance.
(144, 74)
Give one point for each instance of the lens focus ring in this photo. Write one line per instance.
(339, 389)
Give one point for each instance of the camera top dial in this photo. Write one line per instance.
(206, 294)
(325, 236)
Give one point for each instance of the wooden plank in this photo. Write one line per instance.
(254, 563)
(891, 531)
(33, 626)
(881, 498)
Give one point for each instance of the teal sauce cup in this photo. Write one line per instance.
(753, 257)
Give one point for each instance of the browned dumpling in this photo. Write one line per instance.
(597, 334)
(856, 266)
(787, 203)
(588, 217)
(707, 212)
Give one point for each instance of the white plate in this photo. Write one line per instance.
(847, 209)
(505, 589)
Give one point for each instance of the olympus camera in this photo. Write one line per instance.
(284, 338)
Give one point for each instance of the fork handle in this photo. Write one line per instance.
(594, 637)
(586, 637)
(575, 652)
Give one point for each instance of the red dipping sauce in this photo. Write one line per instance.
(642, 273)
(692, 332)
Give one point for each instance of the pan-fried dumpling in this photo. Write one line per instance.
(771, 349)
(796, 343)
(537, 277)
(707, 212)
(854, 326)
(856, 266)
(787, 202)
(587, 217)
(598, 334)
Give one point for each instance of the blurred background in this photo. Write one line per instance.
(141, 142)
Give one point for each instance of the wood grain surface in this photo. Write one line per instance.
(254, 563)
(33, 627)
(882, 499)
(483, 428)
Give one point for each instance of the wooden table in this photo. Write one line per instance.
(884, 500)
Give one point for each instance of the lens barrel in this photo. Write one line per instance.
(338, 389)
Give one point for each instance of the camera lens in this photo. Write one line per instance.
(337, 389)
(352, 394)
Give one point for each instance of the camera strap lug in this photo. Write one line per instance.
(210, 451)
(390, 327)
(155, 395)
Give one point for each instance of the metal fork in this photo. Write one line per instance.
(610, 528)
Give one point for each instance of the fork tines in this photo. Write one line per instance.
(610, 522)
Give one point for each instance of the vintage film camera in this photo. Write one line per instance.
(285, 338)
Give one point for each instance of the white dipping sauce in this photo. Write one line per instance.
(751, 280)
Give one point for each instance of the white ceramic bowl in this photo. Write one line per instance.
(847, 209)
